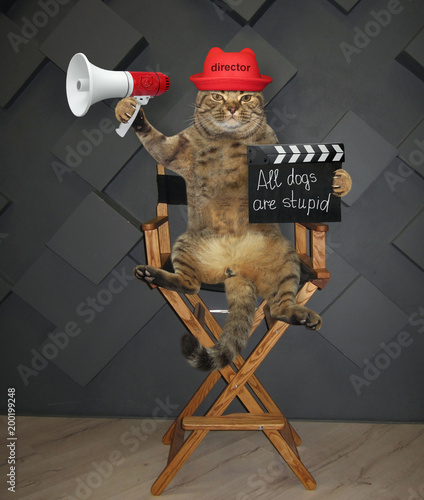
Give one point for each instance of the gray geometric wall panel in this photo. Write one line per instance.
(342, 275)
(94, 239)
(245, 12)
(87, 29)
(53, 287)
(367, 153)
(378, 315)
(342, 70)
(412, 56)
(96, 320)
(4, 202)
(411, 151)
(411, 240)
(100, 332)
(268, 59)
(5, 5)
(20, 60)
(345, 5)
(4, 289)
(92, 148)
(378, 217)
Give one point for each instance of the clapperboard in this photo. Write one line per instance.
(293, 183)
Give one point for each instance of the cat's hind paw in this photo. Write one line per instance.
(143, 274)
(300, 315)
(171, 281)
(308, 318)
(312, 322)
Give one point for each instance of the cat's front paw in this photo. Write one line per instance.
(342, 182)
(125, 109)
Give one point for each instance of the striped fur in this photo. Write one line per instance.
(219, 244)
(241, 296)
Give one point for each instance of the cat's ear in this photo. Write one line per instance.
(249, 51)
(216, 51)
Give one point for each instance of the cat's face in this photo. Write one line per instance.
(235, 113)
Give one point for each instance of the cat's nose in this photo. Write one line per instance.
(232, 110)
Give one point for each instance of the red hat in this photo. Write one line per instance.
(230, 71)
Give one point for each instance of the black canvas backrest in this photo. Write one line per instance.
(171, 190)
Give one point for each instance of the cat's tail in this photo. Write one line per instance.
(241, 297)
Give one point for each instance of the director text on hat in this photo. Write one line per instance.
(229, 67)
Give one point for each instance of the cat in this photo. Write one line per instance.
(220, 245)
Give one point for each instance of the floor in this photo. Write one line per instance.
(111, 459)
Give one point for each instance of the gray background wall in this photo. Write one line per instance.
(78, 335)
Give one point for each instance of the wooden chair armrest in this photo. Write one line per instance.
(154, 223)
(156, 235)
(312, 255)
(315, 226)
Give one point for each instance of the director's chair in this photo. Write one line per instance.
(262, 412)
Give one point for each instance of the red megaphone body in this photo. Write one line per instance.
(149, 83)
(87, 84)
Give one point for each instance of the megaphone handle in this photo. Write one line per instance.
(124, 127)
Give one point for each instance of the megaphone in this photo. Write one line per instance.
(87, 84)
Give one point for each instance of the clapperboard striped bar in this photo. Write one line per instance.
(295, 153)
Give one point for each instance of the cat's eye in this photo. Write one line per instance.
(246, 98)
(217, 97)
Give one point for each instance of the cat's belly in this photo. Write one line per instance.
(249, 254)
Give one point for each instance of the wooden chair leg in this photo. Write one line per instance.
(194, 403)
(177, 439)
(291, 457)
(190, 444)
(284, 440)
(234, 388)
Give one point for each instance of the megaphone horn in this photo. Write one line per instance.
(87, 84)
